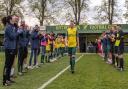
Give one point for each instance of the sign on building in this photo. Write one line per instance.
(42, 28)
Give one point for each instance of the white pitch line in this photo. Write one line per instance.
(57, 75)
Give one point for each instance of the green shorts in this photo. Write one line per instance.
(71, 50)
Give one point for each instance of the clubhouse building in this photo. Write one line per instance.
(87, 34)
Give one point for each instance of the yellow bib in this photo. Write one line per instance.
(56, 46)
(48, 46)
(57, 43)
(72, 36)
(62, 43)
(117, 43)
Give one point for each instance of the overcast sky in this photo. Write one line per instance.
(31, 20)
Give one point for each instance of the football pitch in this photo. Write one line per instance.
(91, 73)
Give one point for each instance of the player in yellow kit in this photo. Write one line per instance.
(55, 48)
(72, 41)
(58, 45)
(62, 48)
(47, 48)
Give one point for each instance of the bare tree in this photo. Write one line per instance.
(8, 7)
(126, 14)
(107, 12)
(41, 10)
(77, 7)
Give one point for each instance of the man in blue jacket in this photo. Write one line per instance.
(27, 40)
(119, 48)
(35, 42)
(22, 46)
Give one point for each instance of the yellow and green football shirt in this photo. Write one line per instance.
(72, 37)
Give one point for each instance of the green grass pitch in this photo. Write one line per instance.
(91, 73)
